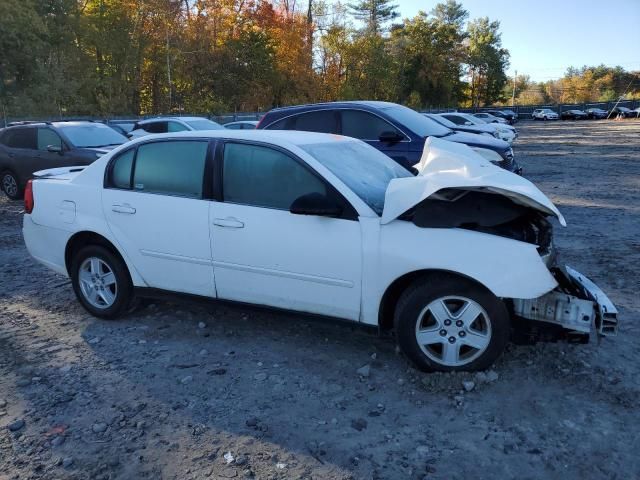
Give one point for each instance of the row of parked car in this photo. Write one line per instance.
(397, 131)
(589, 113)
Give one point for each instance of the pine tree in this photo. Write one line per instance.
(374, 13)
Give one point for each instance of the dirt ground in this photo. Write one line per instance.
(191, 391)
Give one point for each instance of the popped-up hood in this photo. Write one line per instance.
(446, 165)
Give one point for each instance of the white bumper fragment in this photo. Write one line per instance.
(587, 309)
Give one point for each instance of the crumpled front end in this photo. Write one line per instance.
(577, 306)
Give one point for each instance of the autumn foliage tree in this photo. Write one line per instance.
(132, 57)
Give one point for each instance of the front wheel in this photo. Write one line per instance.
(447, 323)
(101, 282)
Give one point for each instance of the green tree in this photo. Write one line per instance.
(487, 62)
(374, 13)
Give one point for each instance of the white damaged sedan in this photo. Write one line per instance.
(455, 259)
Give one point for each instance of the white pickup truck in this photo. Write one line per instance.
(452, 258)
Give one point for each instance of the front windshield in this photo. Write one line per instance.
(441, 120)
(416, 122)
(362, 168)
(92, 135)
(203, 124)
(472, 119)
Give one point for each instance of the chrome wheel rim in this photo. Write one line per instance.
(453, 331)
(9, 185)
(98, 283)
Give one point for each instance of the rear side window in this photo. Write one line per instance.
(323, 121)
(455, 119)
(172, 168)
(121, 170)
(47, 137)
(155, 127)
(264, 177)
(364, 125)
(21, 138)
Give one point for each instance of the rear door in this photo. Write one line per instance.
(22, 153)
(155, 203)
(368, 127)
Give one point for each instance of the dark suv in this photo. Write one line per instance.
(28, 147)
(397, 131)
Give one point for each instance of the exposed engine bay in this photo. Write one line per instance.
(485, 212)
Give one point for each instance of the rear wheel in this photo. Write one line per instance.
(447, 323)
(101, 282)
(11, 186)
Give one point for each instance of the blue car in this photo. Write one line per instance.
(395, 130)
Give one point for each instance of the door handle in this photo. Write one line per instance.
(228, 222)
(123, 209)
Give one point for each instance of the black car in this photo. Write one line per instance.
(511, 118)
(573, 115)
(28, 147)
(596, 113)
(395, 130)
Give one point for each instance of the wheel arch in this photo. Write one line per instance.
(87, 237)
(392, 294)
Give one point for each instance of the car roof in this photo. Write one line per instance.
(63, 123)
(346, 103)
(160, 119)
(277, 137)
(253, 122)
(76, 123)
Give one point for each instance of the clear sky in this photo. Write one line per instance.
(545, 37)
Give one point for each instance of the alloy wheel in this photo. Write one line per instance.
(453, 331)
(98, 283)
(9, 185)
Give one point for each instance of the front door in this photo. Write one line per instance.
(154, 204)
(264, 254)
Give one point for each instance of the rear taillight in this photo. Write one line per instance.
(28, 197)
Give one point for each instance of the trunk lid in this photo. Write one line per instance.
(60, 173)
(445, 165)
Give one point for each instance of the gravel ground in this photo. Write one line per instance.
(186, 391)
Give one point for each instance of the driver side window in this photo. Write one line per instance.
(364, 125)
(263, 177)
(46, 138)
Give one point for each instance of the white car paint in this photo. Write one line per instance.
(544, 114)
(447, 165)
(320, 265)
(506, 132)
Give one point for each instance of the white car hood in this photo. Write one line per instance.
(453, 165)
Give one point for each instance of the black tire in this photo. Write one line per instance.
(8, 176)
(430, 288)
(124, 291)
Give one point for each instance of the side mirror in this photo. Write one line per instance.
(315, 204)
(54, 149)
(390, 137)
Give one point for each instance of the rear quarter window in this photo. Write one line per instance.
(21, 138)
(172, 168)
